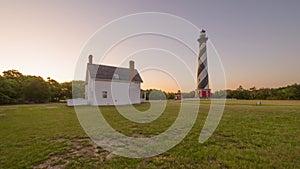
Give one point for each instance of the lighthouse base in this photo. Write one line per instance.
(203, 93)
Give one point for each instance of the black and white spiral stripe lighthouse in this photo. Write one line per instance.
(202, 90)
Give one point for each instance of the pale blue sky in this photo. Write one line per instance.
(258, 41)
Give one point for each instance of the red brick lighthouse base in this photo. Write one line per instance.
(203, 93)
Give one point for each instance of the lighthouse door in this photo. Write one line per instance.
(203, 93)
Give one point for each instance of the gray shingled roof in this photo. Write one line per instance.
(104, 72)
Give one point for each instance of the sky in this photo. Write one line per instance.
(258, 42)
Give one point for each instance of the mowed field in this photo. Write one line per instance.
(248, 136)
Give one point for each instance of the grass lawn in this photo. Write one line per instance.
(248, 136)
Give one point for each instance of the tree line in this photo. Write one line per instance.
(290, 92)
(16, 88)
(157, 94)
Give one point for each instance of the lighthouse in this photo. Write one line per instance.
(202, 90)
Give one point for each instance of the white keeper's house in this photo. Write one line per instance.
(109, 85)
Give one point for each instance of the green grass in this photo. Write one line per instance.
(248, 136)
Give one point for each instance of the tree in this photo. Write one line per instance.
(54, 88)
(191, 94)
(252, 92)
(65, 91)
(78, 89)
(36, 90)
(170, 95)
(297, 91)
(7, 91)
(12, 74)
(157, 95)
(14, 79)
(219, 94)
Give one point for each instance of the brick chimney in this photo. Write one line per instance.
(91, 59)
(131, 70)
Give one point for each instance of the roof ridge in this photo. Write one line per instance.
(110, 66)
(107, 72)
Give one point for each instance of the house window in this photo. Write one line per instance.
(104, 94)
(116, 76)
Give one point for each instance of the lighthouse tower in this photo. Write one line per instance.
(202, 90)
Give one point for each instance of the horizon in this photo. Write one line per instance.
(258, 45)
(167, 91)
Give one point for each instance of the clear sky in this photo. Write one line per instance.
(258, 41)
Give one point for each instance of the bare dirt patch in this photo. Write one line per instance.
(81, 149)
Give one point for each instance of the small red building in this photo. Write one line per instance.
(177, 96)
